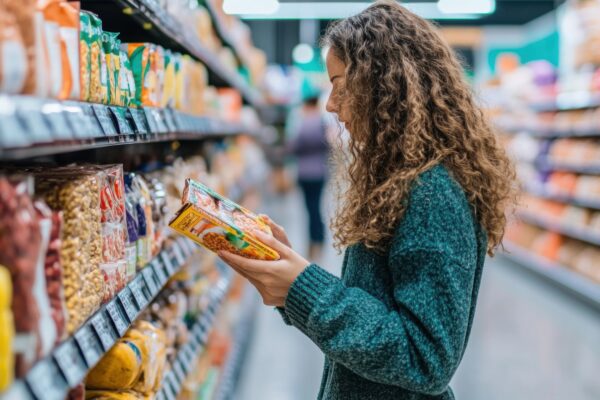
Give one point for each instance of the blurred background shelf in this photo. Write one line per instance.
(560, 276)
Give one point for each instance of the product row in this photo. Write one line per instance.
(76, 235)
(574, 218)
(574, 254)
(59, 52)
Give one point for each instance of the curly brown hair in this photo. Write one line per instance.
(411, 109)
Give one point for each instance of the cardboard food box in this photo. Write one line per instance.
(218, 223)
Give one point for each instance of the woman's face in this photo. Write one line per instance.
(337, 76)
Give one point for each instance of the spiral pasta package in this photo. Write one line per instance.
(218, 223)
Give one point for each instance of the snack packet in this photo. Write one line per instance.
(218, 223)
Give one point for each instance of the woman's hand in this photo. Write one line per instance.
(277, 230)
(272, 279)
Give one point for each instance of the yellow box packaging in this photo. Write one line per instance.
(218, 223)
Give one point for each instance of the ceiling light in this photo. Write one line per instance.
(467, 6)
(251, 7)
(333, 10)
(303, 53)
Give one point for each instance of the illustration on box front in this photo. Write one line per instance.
(218, 223)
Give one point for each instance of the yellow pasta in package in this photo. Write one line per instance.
(218, 223)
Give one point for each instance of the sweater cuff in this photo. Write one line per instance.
(286, 319)
(304, 294)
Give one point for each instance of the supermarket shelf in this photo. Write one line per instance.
(156, 25)
(553, 133)
(243, 334)
(547, 164)
(586, 203)
(584, 235)
(67, 365)
(33, 127)
(569, 101)
(188, 353)
(572, 282)
(223, 33)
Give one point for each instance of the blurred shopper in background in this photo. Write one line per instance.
(310, 147)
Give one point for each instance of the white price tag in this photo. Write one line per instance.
(170, 387)
(89, 344)
(178, 254)
(150, 279)
(167, 262)
(128, 303)
(105, 120)
(137, 288)
(122, 123)
(46, 382)
(169, 120)
(54, 114)
(104, 329)
(31, 116)
(179, 374)
(95, 130)
(70, 362)
(117, 316)
(12, 132)
(151, 120)
(160, 272)
(139, 121)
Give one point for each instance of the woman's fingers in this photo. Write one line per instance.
(278, 230)
(244, 265)
(273, 243)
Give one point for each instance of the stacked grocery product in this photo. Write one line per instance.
(57, 51)
(75, 236)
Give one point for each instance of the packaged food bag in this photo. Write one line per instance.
(120, 368)
(75, 191)
(139, 57)
(98, 71)
(63, 18)
(7, 330)
(13, 55)
(218, 223)
(108, 44)
(85, 33)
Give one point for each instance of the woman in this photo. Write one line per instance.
(428, 188)
(309, 146)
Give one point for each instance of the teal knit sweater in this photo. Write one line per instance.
(395, 326)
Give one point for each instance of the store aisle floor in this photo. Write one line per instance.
(529, 341)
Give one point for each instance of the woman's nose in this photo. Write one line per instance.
(331, 105)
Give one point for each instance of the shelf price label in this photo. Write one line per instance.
(140, 123)
(128, 303)
(104, 329)
(118, 318)
(151, 119)
(167, 262)
(95, 129)
(78, 120)
(30, 113)
(89, 344)
(179, 374)
(54, 114)
(105, 120)
(171, 391)
(169, 120)
(178, 254)
(159, 271)
(121, 118)
(70, 362)
(46, 382)
(150, 278)
(137, 288)
(12, 131)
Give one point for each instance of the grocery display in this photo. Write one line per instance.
(99, 298)
(548, 121)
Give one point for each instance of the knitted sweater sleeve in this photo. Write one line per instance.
(418, 343)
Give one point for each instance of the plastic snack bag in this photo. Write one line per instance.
(98, 72)
(13, 57)
(217, 223)
(85, 28)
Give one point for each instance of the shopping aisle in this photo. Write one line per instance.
(530, 341)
